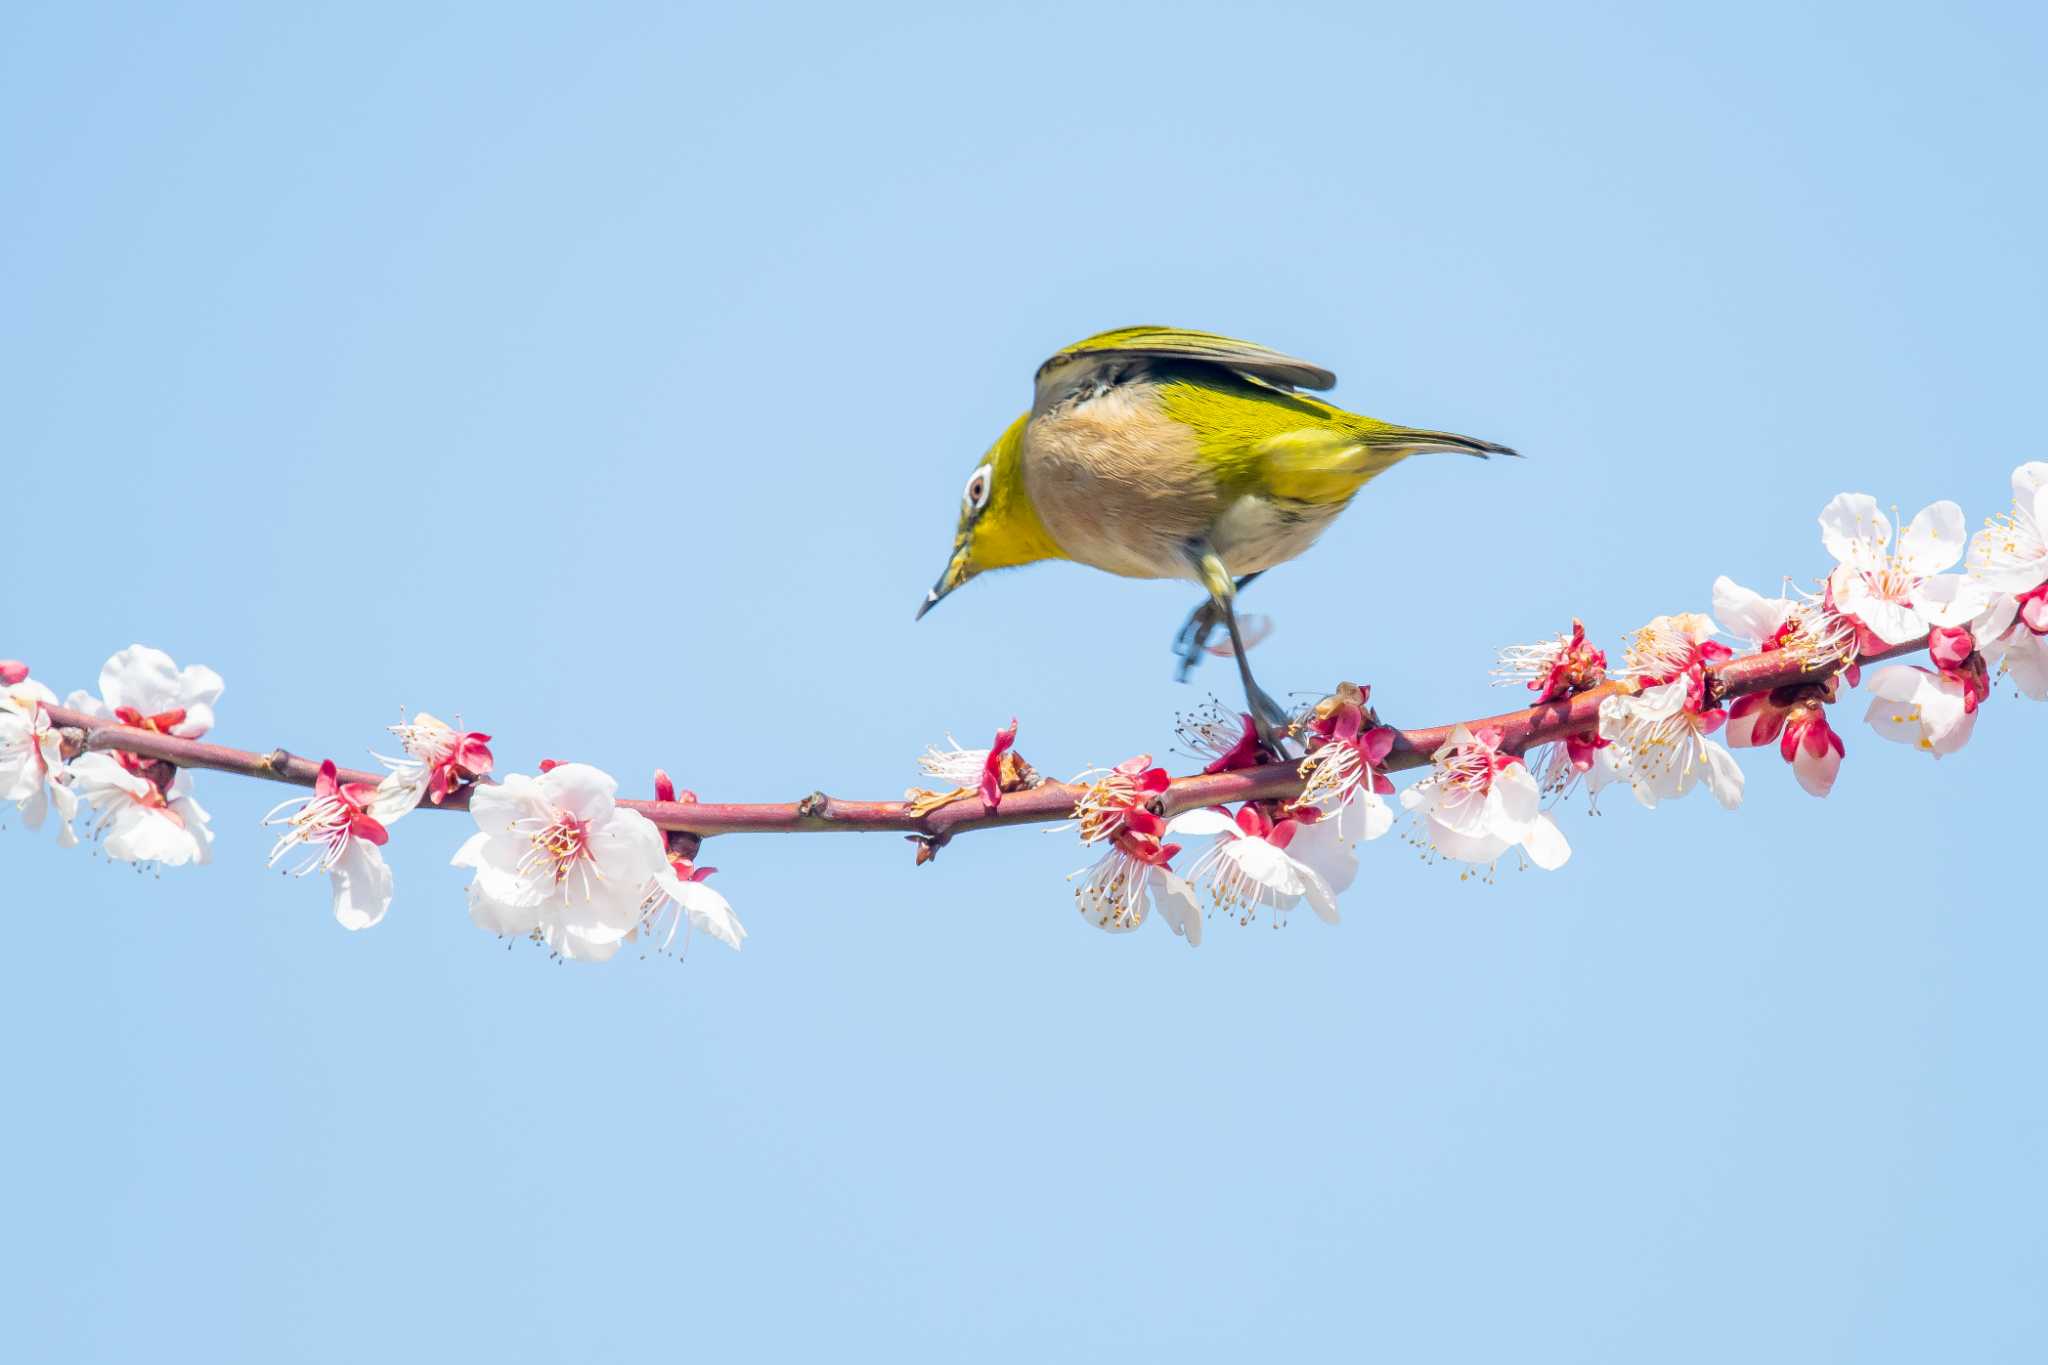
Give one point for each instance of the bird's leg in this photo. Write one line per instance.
(1193, 640)
(1266, 713)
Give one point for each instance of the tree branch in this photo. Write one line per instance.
(1047, 803)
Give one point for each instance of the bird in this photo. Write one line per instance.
(1157, 452)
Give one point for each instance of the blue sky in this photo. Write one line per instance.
(610, 376)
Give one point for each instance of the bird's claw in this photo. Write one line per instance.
(1193, 641)
(1273, 722)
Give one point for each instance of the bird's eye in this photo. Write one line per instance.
(977, 489)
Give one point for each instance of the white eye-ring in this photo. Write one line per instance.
(978, 486)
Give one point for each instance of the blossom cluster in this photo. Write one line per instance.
(554, 858)
(1663, 727)
(557, 858)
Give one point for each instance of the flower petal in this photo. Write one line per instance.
(1724, 775)
(1746, 613)
(1175, 901)
(1853, 530)
(362, 886)
(1205, 820)
(707, 910)
(1545, 843)
(1934, 540)
(580, 790)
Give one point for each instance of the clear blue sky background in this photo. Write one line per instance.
(610, 376)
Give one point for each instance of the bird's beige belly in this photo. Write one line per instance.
(1256, 533)
(1121, 487)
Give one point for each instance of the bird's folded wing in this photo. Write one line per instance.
(1092, 363)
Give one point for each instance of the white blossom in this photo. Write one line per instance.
(341, 838)
(1931, 711)
(438, 759)
(2024, 657)
(1480, 801)
(2011, 553)
(138, 823)
(1658, 745)
(32, 770)
(143, 686)
(1878, 583)
(678, 898)
(557, 860)
(1259, 862)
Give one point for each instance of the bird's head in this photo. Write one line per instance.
(998, 525)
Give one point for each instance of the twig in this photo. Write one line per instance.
(1047, 803)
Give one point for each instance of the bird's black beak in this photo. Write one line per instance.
(953, 577)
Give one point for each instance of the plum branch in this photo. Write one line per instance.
(1045, 803)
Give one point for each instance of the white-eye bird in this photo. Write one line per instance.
(1153, 452)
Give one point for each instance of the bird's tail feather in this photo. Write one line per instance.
(1416, 441)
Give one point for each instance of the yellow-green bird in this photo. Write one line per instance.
(1153, 452)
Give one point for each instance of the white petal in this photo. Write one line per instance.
(1892, 622)
(576, 945)
(1323, 850)
(1852, 529)
(1747, 614)
(628, 847)
(362, 886)
(1955, 736)
(1897, 721)
(399, 794)
(1952, 600)
(2029, 481)
(1724, 775)
(140, 677)
(1897, 682)
(100, 776)
(1465, 808)
(707, 910)
(1995, 619)
(1175, 901)
(472, 851)
(197, 824)
(1545, 843)
(580, 790)
(1379, 816)
(497, 806)
(1270, 867)
(1520, 801)
(1321, 898)
(25, 696)
(1206, 820)
(1816, 773)
(1467, 848)
(500, 917)
(83, 701)
(2025, 656)
(145, 835)
(1934, 540)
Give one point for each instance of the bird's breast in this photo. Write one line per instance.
(1119, 484)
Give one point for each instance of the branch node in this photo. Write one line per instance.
(278, 762)
(813, 807)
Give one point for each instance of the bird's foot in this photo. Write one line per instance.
(1193, 641)
(1273, 723)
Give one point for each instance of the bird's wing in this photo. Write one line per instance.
(1094, 364)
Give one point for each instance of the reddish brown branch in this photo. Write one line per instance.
(1051, 802)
